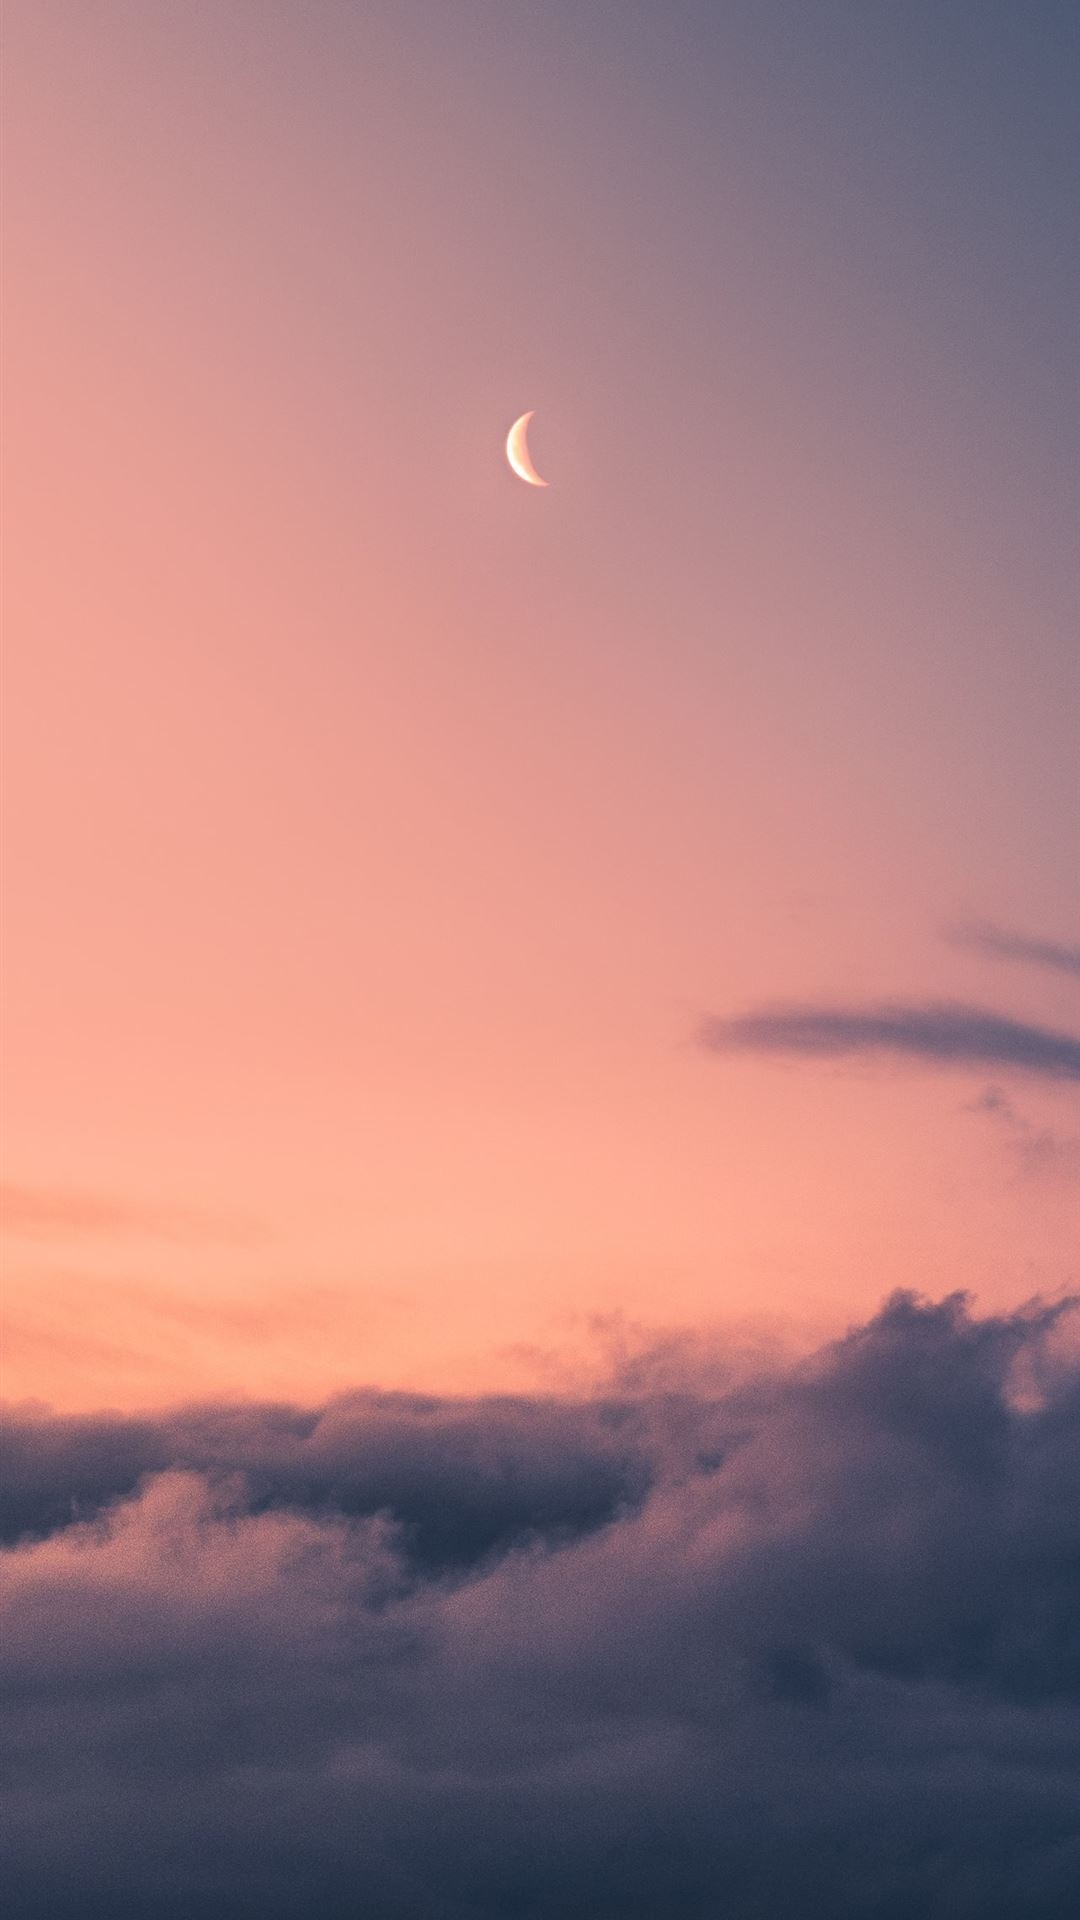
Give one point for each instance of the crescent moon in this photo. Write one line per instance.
(517, 452)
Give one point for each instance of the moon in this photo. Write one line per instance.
(517, 452)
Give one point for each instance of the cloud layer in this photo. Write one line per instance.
(809, 1646)
(940, 1032)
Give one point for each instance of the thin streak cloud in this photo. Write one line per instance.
(1006, 943)
(59, 1213)
(936, 1032)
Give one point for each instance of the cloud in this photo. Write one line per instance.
(459, 1479)
(808, 1645)
(1038, 1150)
(50, 1213)
(937, 1032)
(1005, 943)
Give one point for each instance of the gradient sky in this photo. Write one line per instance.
(379, 833)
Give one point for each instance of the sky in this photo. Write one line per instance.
(379, 832)
(541, 1027)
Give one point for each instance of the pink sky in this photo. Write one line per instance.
(377, 831)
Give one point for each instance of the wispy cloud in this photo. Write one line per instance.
(1038, 1150)
(64, 1213)
(937, 1032)
(1006, 943)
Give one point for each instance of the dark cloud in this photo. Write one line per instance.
(459, 1480)
(809, 1645)
(1005, 943)
(939, 1032)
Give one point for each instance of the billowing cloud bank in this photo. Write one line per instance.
(807, 1647)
